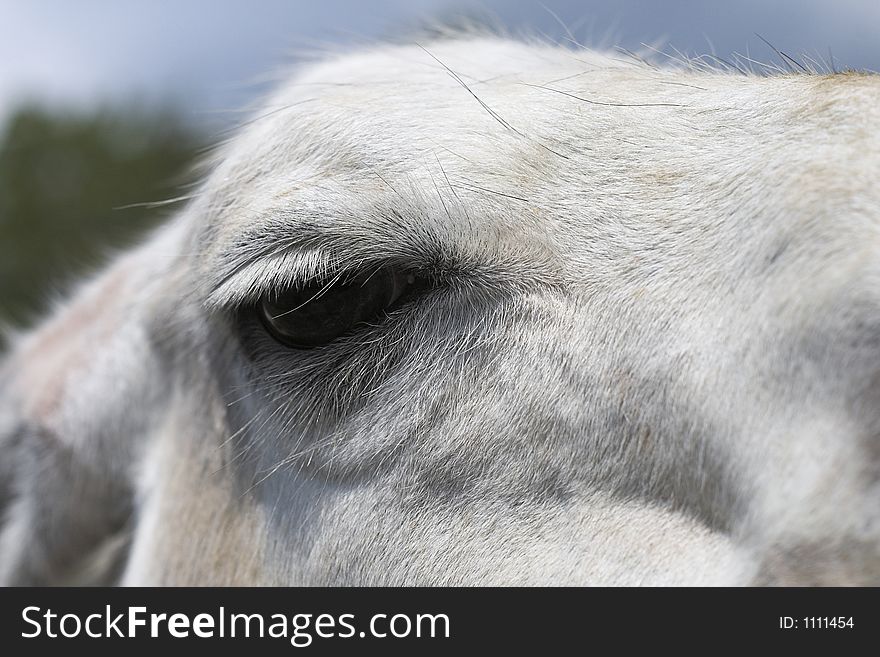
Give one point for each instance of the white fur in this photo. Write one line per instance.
(654, 357)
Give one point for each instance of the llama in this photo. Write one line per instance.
(478, 311)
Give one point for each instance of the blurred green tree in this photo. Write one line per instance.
(64, 182)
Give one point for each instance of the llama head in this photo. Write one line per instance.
(481, 312)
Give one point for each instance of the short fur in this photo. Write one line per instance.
(652, 355)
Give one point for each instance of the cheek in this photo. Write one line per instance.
(372, 535)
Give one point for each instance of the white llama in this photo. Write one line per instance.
(478, 312)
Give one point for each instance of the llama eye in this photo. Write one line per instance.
(315, 315)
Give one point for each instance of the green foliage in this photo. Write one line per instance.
(64, 180)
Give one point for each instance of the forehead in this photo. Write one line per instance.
(493, 149)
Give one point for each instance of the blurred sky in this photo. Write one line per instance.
(206, 55)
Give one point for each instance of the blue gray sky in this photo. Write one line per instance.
(208, 56)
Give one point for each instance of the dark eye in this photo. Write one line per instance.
(318, 313)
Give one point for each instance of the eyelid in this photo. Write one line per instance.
(249, 282)
(301, 268)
